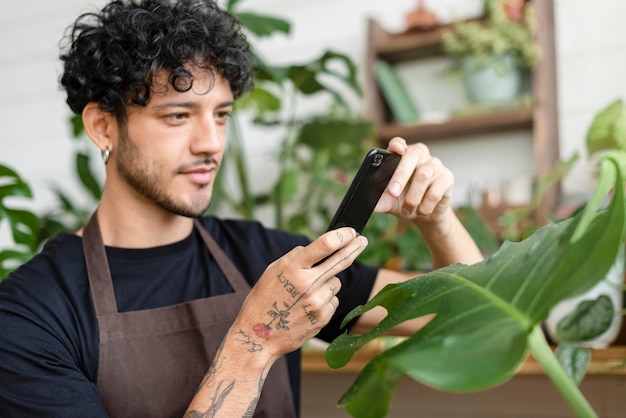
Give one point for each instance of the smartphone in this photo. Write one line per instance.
(365, 190)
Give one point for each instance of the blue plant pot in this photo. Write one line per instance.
(497, 80)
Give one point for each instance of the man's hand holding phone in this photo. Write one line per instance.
(421, 187)
(417, 188)
(404, 180)
(365, 190)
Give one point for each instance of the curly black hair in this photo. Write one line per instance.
(112, 57)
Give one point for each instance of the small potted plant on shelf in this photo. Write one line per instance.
(493, 55)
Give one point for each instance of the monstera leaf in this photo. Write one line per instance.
(487, 314)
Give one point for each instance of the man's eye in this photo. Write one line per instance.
(224, 115)
(176, 116)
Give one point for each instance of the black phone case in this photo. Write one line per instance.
(365, 190)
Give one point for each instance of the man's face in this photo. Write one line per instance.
(171, 149)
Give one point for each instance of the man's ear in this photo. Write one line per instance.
(100, 126)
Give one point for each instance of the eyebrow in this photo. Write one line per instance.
(170, 104)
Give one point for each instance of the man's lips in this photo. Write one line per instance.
(200, 175)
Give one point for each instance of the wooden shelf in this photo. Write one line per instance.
(609, 361)
(460, 126)
(541, 119)
(406, 46)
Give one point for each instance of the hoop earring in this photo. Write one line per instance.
(105, 155)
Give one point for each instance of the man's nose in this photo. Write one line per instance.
(207, 136)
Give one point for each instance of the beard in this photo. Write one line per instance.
(145, 177)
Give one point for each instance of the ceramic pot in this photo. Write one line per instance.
(495, 80)
(611, 286)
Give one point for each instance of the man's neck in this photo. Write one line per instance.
(139, 227)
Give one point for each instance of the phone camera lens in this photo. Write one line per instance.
(378, 159)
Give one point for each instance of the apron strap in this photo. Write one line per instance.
(98, 271)
(232, 273)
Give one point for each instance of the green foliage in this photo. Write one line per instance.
(69, 215)
(399, 248)
(23, 224)
(574, 360)
(520, 221)
(318, 152)
(487, 314)
(496, 36)
(608, 129)
(590, 319)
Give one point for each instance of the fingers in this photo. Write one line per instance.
(334, 286)
(311, 267)
(331, 301)
(341, 259)
(420, 184)
(331, 242)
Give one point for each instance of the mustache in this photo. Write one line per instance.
(204, 162)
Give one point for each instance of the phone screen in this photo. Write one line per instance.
(365, 190)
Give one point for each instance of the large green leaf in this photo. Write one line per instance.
(484, 312)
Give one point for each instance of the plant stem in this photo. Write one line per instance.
(564, 384)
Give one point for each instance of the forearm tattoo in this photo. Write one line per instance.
(244, 338)
(221, 393)
(217, 401)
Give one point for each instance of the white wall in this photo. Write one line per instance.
(34, 129)
(591, 56)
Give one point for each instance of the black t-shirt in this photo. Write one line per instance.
(48, 328)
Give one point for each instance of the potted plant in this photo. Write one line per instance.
(488, 316)
(602, 305)
(493, 55)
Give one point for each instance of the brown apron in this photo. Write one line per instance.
(152, 361)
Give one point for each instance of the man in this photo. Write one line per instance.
(153, 310)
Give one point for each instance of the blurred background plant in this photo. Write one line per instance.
(317, 153)
(500, 34)
(493, 56)
(23, 224)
